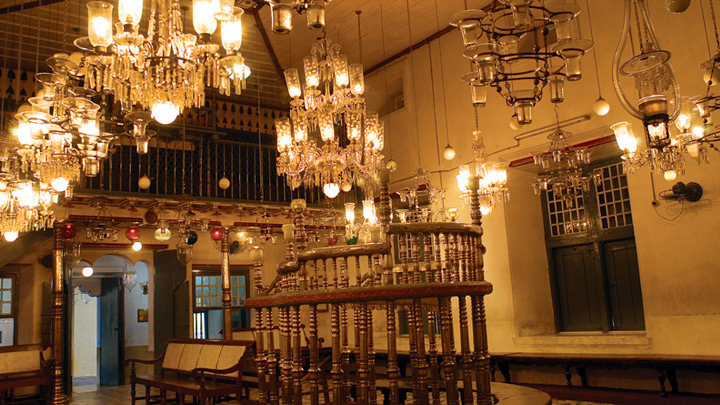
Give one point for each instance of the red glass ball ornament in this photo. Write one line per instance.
(68, 231)
(332, 240)
(217, 234)
(133, 233)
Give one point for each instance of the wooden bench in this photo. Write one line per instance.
(665, 365)
(20, 367)
(200, 368)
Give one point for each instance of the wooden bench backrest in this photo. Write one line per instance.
(244, 334)
(20, 359)
(184, 355)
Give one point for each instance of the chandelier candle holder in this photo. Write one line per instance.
(562, 169)
(491, 176)
(512, 52)
(166, 70)
(330, 107)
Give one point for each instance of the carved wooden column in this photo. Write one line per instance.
(256, 255)
(226, 287)
(58, 311)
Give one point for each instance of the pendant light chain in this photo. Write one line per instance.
(712, 16)
(437, 135)
(592, 38)
(412, 81)
(442, 73)
(707, 36)
(387, 93)
(358, 12)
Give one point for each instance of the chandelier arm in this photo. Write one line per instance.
(653, 37)
(616, 65)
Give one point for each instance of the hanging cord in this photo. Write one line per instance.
(183, 154)
(712, 15)
(358, 12)
(387, 94)
(2, 95)
(592, 38)
(442, 76)
(437, 135)
(412, 82)
(641, 40)
(262, 168)
(19, 60)
(707, 36)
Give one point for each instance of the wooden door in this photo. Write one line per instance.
(111, 315)
(579, 288)
(171, 318)
(624, 285)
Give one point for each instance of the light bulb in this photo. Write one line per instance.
(601, 107)
(165, 113)
(137, 246)
(87, 271)
(11, 236)
(449, 153)
(346, 187)
(331, 190)
(144, 182)
(670, 175)
(204, 17)
(60, 184)
(100, 23)
(130, 11)
(224, 183)
(232, 32)
(24, 134)
(391, 165)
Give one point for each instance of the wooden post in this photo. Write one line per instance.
(58, 311)
(226, 289)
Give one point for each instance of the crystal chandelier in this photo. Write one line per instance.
(332, 108)
(492, 178)
(282, 14)
(518, 48)
(655, 82)
(562, 171)
(166, 70)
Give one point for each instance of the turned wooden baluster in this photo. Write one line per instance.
(362, 358)
(285, 357)
(434, 371)
(438, 259)
(371, 354)
(393, 370)
(358, 272)
(430, 276)
(271, 358)
(482, 357)
(336, 371)
(415, 252)
(467, 360)
(260, 358)
(297, 369)
(421, 396)
(313, 368)
(448, 348)
(403, 252)
(344, 333)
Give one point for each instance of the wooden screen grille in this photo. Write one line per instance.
(613, 198)
(566, 219)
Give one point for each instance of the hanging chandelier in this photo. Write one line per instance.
(166, 70)
(492, 178)
(518, 48)
(562, 169)
(331, 108)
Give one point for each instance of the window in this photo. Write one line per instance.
(8, 308)
(592, 256)
(207, 301)
(6, 296)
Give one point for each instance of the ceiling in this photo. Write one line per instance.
(33, 30)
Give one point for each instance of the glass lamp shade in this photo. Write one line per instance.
(357, 81)
(479, 94)
(327, 129)
(100, 23)
(657, 132)
(316, 14)
(10, 236)
(142, 145)
(350, 212)
(281, 13)
(284, 134)
(301, 130)
(557, 88)
(225, 10)
(288, 232)
(463, 178)
(312, 71)
(60, 184)
(331, 190)
(562, 25)
(292, 81)
(369, 210)
(469, 22)
(523, 111)
(165, 112)
(625, 137)
(162, 234)
(130, 11)
(342, 78)
(204, 17)
(685, 117)
(232, 32)
(494, 174)
(256, 254)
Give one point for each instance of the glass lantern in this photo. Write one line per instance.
(100, 23)
(292, 80)
(281, 12)
(357, 81)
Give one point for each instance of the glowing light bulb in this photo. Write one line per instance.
(11, 236)
(162, 234)
(601, 107)
(391, 165)
(24, 134)
(331, 190)
(670, 175)
(137, 246)
(224, 183)
(165, 113)
(87, 271)
(144, 182)
(60, 184)
(347, 187)
(449, 153)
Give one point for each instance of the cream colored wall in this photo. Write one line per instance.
(30, 281)
(84, 356)
(677, 259)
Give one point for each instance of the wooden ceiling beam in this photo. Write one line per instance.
(27, 6)
(266, 40)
